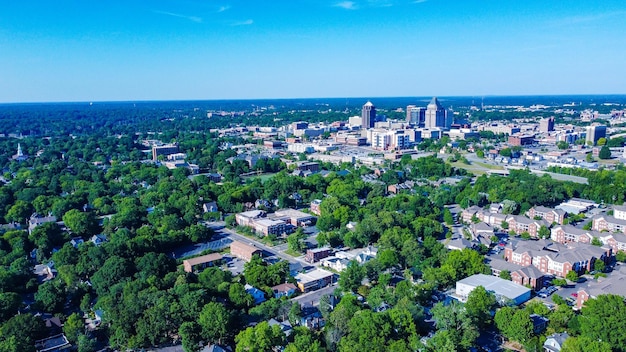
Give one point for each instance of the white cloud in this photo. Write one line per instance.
(223, 8)
(419, 1)
(190, 18)
(242, 23)
(348, 5)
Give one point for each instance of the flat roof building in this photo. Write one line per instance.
(199, 263)
(503, 289)
(243, 250)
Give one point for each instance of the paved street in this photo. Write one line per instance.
(313, 298)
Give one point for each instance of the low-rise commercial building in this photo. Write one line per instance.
(314, 280)
(505, 291)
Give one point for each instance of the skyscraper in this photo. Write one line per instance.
(368, 114)
(594, 133)
(435, 115)
(546, 125)
(415, 115)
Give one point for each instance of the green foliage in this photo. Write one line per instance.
(515, 324)
(351, 278)
(260, 338)
(304, 341)
(596, 242)
(479, 305)
(81, 223)
(214, 322)
(600, 318)
(51, 296)
(19, 333)
(620, 256)
(599, 265)
(259, 274)
(380, 331)
(74, 327)
(605, 153)
(585, 344)
(505, 274)
(295, 241)
(457, 322)
(10, 302)
(572, 276)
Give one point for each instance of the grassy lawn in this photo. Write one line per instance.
(477, 168)
(292, 253)
(263, 177)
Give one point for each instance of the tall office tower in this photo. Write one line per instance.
(435, 115)
(415, 115)
(594, 133)
(368, 114)
(409, 113)
(546, 125)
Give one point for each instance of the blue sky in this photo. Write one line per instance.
(231, 49)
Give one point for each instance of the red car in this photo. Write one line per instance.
(575, 295)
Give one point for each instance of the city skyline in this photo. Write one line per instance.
(74, 51)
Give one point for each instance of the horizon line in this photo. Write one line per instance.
(306, 98)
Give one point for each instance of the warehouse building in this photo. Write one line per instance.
(505, 291)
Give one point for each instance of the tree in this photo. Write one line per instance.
(601, 141)
(304, 341)
(190, 333)
(544, 231)
(620, 256)
(50, 296)
(81, 223)
(599, 265)
(480, 153)
(601, 318)
(596, 242)
(86, 344)
(21, 331)
(351, 278)
(515, 324)
(10, 302)
(238, 295)
(479, 305)
(260, 338)
(505, 274)
(584, 344)
(114, 270)
(295, 241)
(563, 145)
(605, 153)
(214, 322)
(295, 313)
(572, 276)
(74, 327)
(455, 319)
(447, 216)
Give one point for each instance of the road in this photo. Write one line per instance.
(235, 236)
(313, 298)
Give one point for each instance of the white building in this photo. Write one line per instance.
(504, 290)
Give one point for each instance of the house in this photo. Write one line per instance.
(98, 239)
(531, 276)
(548, 214)
(615, 283)
(215, 348)
(459, 244)
(202, 262)
(314, 280)
(214, 177)
(555, 342)
(76, 241)
(608, 223)
(258, 295)
(52, 344)
(554, 258)
(617, 241)
(569, 233)
(210, 207)
(337, 264)
(317, 254)
(284, 326)
(243, 250)
(36, 220)
(520, 224)
(284, 290)
(540, 323)
(482, 229)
